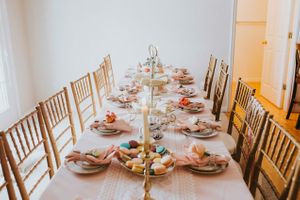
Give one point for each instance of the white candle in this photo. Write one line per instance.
(146, 128)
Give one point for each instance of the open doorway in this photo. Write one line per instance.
(262, 56)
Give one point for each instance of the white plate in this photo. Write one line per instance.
(192, 110)
(208, 169)
(75, 168)
(204, 134)
(105, 132)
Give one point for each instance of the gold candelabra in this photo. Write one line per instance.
(147, 182)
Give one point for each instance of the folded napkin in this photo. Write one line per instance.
(185, 91)
(122, 98)
(181, 77)
(196, 155)
(119, 124)
(195, 124)
(94, 156)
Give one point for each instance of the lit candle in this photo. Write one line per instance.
(146, 128)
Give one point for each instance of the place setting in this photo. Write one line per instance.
(186, 105)
(90, 162)
(122, 100)
(198, 159)
(198, 128)
(111, 125)
(185, 91)
(183, 78)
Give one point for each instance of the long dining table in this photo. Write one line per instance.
(116, 182)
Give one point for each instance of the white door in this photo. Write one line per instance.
(275, 50)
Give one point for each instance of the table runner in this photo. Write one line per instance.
(118, 183)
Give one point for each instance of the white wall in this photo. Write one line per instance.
(70, 37)
(250, 32)
(20, 54)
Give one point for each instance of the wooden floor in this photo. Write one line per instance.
(279, 114)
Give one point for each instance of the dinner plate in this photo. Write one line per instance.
(186, 82)
(197, 110)
(75, 168)
(86, 165)
(105, 132)
(207, 133)
(189, 95)
(208, 169)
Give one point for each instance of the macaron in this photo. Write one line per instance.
(138, 168)
(129, 164)
(156, 160)
(133, 144)
(125, 145)
(125, 158)
(157, 155)
(153, 148)
(167, 161)
(137, 161)
(140, 148)
(155, 165)
(160, 149)
(160, 169)
(134, 153)
(125, 150)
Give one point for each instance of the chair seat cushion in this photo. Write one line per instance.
(228, 141)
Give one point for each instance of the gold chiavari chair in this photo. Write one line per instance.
(275, 163)
(84, 99)
(210, 76)
(109, 73)
(220, 90)
(22, 142)
(241, 100)
(100, 82)
(7, 181)
(294, 192)
(249, 136)
(58, 117)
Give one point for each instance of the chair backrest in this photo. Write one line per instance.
(275, 164)
(84, 99)
(109, 73)
(298, 61)
(26, 142)
(240, 103)
(210, 75)
(59, 122)
(220, 90)
(249, 136)
(294, 192)
(101, 82)
(6, 182)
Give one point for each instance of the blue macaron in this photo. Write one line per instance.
(125, 145)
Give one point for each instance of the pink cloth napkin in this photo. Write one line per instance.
(122, 99)
(94, 156)
(200, 126)
(195, 155)
(120, 125)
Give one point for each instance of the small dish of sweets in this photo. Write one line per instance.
(132, 158)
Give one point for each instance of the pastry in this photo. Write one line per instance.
(160, 149)
(125, 150)
(156, 160)
(137, 161)
(134, 153)
(157, 155)
(129, 163)
(133, 144)
(138, 168)
(125, 158)
(140, 148)
(155, 165)
(125, 145)
(160, 169)
(167, 161)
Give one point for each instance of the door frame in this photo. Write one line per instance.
(295, 29)
(290, 58)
